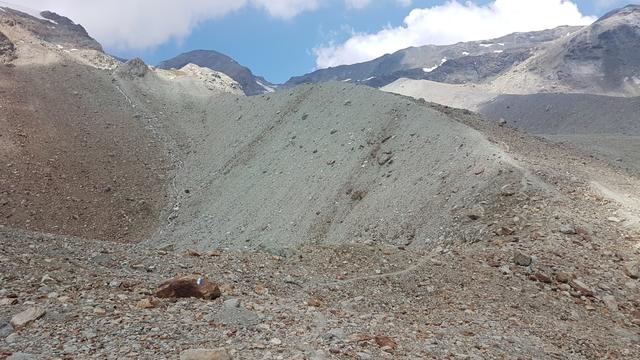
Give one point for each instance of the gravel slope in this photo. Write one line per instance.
(331, 163)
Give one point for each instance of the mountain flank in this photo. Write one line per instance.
(251, 84)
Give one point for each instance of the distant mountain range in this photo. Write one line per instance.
(458, 63)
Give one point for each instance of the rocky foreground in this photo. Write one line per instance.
(555, 276)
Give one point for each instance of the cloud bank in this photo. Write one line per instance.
(140, 24)
(450, 23)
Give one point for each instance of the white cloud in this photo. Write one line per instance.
(140, 24)
(286, 9)
(450, 23)
(357, 4)
(361, 4)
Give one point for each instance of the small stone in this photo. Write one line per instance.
(610, 303)
(5, 330)
(504, 269)
(260, 289)
(502, 122)
(567, 229)
(347, 103)
(632, 269)
(205, 354)
(89, 334)
(581, 287)
(334, 334)
(314, 302)
(614, 219)
(564, 277)
(146, 303)
(564, 287)
(26, 317)
(99, 311)
(8, 301)
(188, 287)
(275, 341)
(521, 259)
(232, 303)
(115, 284)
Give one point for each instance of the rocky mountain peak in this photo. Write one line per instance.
(48, 26)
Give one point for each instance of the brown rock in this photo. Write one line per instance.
(385, 342)
(504, 231)
(205, 354)
(564, 277)
(540, 277)
(26, 317)
(314, 302)
(581, 287)
(192, 286)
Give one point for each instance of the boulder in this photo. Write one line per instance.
(192, 286)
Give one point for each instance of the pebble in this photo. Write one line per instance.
(611, 303)
(567, 229)
(205, 354)
(522, 260)
(26, 317)
(232, 303)
(5, 330)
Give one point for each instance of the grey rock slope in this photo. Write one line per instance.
(567, 113)
(50, 27)
(603, 57)
(465, 62)
(251, 84)
(325, 164)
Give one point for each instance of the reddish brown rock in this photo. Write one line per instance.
(581, 287)
(385, 342)
(193, 286)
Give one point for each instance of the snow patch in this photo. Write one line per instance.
(59, 46)
(346, 80)
(486, 45)
(430, 69)
(465, 53)
(498, 51)
(501, 44)
(265, 87)
(371, 78)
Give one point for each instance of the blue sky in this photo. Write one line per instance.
(282, 38)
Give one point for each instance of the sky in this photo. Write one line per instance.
(283, 38)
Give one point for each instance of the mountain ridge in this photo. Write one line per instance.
(250, 83)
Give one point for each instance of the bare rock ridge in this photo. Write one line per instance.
(51, 27)
(251, 84)
(601, 57)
